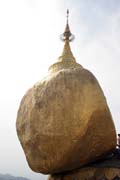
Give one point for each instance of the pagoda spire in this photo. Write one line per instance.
(67, 37)
(66, 60)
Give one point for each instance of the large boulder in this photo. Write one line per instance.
(64, 121)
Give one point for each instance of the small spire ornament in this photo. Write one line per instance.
(67, 35)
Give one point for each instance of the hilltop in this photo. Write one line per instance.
(10, 177)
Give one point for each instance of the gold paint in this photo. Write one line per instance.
(62, 122)
(67, 54)
(65, 61)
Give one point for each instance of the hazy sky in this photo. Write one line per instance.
(29, 43)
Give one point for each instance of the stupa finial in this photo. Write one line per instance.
(67, 15)
(67, 35)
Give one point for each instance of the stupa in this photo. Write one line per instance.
(63, 121)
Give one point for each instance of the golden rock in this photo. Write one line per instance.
(63, 121)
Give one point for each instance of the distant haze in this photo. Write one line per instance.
(29, 43)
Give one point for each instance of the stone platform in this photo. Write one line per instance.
(105, 169)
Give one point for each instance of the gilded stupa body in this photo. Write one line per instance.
(62, 120)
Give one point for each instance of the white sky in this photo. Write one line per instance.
(29, 43)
